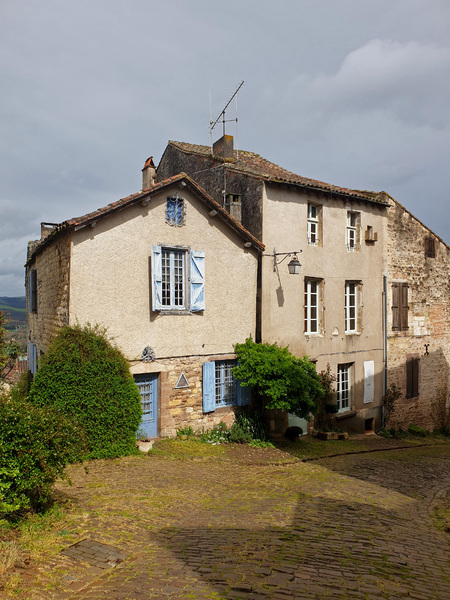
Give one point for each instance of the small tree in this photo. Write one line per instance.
(283, 380)
(9, 349)
(88, 379)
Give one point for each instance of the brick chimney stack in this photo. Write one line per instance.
(148, 173)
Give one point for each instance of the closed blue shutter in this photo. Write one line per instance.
(197, 280)
(32, 357)
(244, 394)
(156, 278)
(209, 376)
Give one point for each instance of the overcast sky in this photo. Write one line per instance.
(351, 92)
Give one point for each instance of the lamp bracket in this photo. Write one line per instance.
(277, 262)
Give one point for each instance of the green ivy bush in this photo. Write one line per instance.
(86, 378)
(282, 380)
(35, 446)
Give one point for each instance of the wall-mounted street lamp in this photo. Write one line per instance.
(293, 265)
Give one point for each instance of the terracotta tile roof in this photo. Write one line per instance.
(256, 166)
(90, 218)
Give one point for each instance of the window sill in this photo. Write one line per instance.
(353, 332)
(174, 311)
(346, 414)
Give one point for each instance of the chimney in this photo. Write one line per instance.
(46, 229)
(148, 173)
(223, 148)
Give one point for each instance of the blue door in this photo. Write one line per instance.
(148, 388)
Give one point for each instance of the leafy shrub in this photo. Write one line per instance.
(249, 425)
(285, 381)
(87, 379)
(217, 435)
(416, 430)
(35, 446)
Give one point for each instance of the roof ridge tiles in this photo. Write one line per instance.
(257, 166)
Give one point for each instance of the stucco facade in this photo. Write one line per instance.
(292, 213)
(110, 277)
(331, 266)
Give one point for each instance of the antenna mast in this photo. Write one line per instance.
(222, 112)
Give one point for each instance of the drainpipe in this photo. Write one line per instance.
(385, 351)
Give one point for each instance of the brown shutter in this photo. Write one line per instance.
(403, 289)
(430, 248)
(395, 307)
(412, 378)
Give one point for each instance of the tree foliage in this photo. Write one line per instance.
(35, 446)
(88, 379)
(9, 349)
(283, 380)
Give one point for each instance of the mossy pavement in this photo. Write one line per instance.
(251, 523)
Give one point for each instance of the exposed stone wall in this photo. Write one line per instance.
(428, 333)
(52, 266)
(183, 407)
(214, 176)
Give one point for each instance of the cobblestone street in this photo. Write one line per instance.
(351, 527)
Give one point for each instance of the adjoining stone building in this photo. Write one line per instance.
(418, 321)
(363, 255)
(172, 276)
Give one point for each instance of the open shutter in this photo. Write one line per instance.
(156, 278)
(404, 306)
(197, 280)
(244, 394)
(209, 376)
(395, 307)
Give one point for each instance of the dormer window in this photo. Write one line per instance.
(175, 212)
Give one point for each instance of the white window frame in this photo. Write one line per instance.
(352, 231)
(312, 306)
(351, 306)
(313, 225)
(343, 387)
(177, 279)
(173, 266)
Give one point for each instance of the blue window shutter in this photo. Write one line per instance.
(197, 280)
(209, 376)
(244, 394)
(156, 278)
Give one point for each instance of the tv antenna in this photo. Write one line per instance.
(221, 116)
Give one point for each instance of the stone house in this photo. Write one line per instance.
(333, 311)
(366, 264)
(418, 321)
(173, 278)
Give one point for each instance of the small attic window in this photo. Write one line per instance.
(430, 247)
(175, 212)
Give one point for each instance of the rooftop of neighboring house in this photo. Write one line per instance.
(256, 166)
(90, 219)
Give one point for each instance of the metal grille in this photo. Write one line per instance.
(147, 400)
(173, 278)
(225, 384)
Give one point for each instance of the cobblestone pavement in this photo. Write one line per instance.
(349, 527)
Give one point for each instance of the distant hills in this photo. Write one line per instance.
(14, 306)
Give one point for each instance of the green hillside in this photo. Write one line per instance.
(14, 306)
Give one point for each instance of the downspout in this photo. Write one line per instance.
(385, 350)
